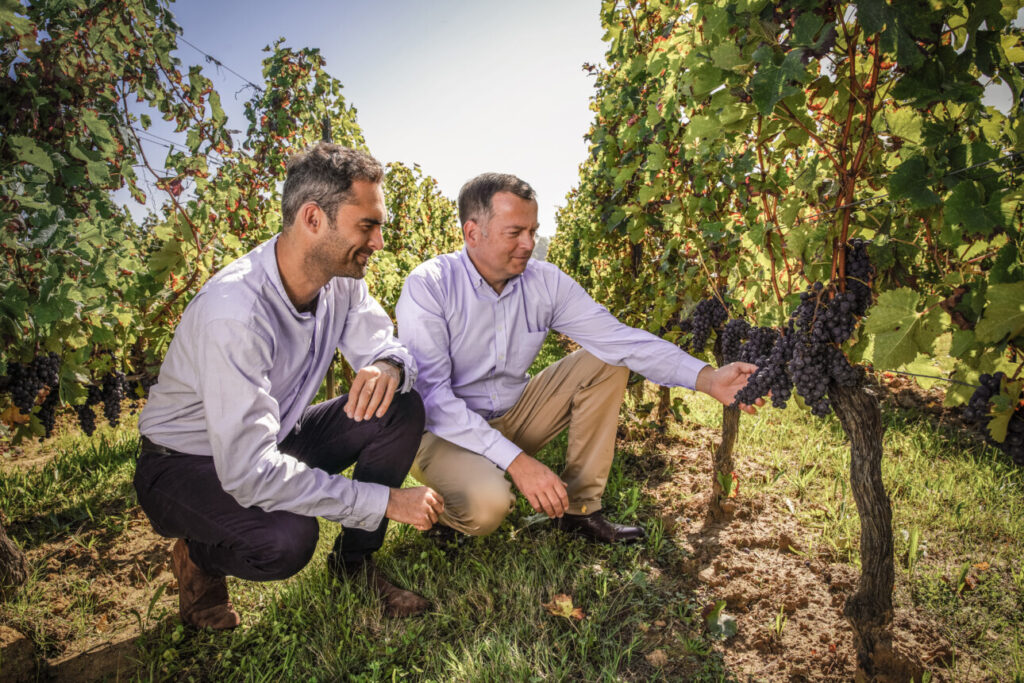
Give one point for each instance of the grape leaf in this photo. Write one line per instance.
(29, 150)
(1004, 313)
(895, 322)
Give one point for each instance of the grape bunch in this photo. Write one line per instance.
(760, 341)
(48, 412)
(112, 393)
(859, 273)
(84, 411)
(709, 315)
(86, 418)
(732, 336)
(24, 381)
(772, 375)
(807, 356)
(977, 411)
(977, 408)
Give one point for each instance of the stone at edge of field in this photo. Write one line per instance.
(17, 656)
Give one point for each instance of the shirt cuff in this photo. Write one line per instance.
(503, 452)
(367, 511)
(686, 375)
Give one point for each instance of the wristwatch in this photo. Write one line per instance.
(397, 364)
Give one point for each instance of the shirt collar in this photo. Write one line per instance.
(477, 280)
(269, 262)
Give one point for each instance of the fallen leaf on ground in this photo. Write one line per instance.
(561, 606)
(657, 658)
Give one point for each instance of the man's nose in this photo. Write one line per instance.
(377, 239)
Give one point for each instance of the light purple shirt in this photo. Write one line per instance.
(474, 346)
(244, 365)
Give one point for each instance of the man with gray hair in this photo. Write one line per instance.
(236, 464)
(475, 321)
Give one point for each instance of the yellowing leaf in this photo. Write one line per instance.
(561, 606)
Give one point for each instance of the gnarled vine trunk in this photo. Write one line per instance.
(869, 610)
(13, 566)
(722, 464)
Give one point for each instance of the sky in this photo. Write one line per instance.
(460, 87)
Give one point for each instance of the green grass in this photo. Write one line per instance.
(488, 622)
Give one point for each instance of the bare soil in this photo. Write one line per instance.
(758, 562)
(117, 577)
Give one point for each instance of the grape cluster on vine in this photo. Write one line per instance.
(977, 411)
(112, 393)
(732, 336)
(24, 381)
(806, 356)
(706, 317)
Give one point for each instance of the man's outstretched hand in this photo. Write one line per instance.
(372, 390)
(418, 506)
(723, 383)
(543, 488)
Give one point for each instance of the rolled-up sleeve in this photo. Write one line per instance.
(243, 423)
(424, 330)
(590, 325)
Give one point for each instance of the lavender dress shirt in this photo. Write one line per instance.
(244, 365)
(473, 346)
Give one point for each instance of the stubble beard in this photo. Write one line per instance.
(331, 260)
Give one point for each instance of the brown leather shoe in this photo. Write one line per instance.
(398, 602)
(202, 599)
(597, 528)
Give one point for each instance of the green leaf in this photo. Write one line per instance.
(1004, 313)
(873, 15)
(807, 26)
(28, 150)
(773, 83)
(894, 321)
(910, 181)
(727, 56)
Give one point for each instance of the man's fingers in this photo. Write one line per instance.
(353, 394)
(362, 400)
(380, 388)
(389, 395)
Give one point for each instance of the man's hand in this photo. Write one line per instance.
(372, 390)
(417, 506)
(723, 383)
(542, 487)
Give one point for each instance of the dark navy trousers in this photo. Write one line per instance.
(183, 497)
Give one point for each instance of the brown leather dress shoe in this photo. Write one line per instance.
(398, 602)
(597, 528)
(202, 599)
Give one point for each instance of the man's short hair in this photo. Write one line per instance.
(324, 174)
(476, 195)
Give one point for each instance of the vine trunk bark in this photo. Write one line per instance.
(869, 610)
(13, 566)
(722, 465)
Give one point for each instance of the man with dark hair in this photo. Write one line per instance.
(235, 462)
(475, 321)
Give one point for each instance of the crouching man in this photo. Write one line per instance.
(235, 462)
(475, 321)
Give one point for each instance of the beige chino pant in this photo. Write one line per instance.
(579, 392)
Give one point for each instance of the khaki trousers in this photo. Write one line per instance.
(579, 392)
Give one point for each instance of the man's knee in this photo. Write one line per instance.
(287, 547)
(482, 509)
(406, 413)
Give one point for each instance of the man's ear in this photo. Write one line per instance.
(310, 218)
(471, 232)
